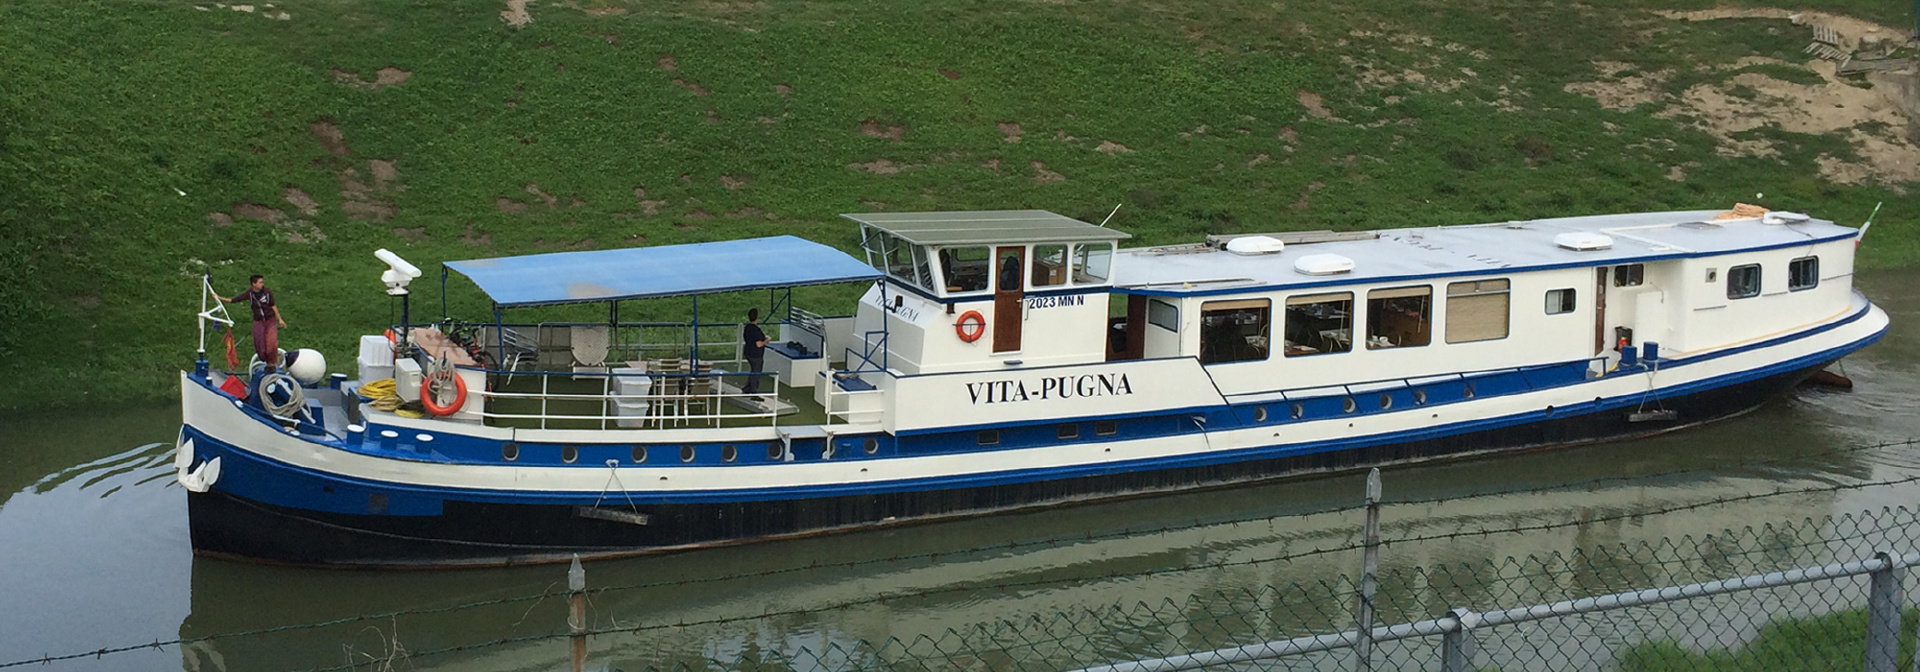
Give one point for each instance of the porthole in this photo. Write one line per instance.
(569, 454)
(728, 453)
(1070, 430)
(1298, 411)
(1468, 390)
(639, 454)
(1347, 405)
(510, 451)
(686, 453)
(1106, 427)
(1259, 414)
(1386, 401)
(775, 451)
(987, 437)
(1419, 396)
(871, 446)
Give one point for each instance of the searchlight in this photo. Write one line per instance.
(398, 272)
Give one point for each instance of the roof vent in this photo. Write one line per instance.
(1254, 245)
(1582, 241)
(1783, 218)
(1323, 264)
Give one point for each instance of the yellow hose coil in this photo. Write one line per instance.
(386, 397)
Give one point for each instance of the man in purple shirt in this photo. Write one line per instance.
(266, 320)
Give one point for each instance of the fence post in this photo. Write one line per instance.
(1369, 581)
(1884, 599)
(1456, 647)
(577, 613)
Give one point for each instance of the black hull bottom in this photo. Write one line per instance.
(472, 534)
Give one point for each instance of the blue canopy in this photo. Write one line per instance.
(671, 270)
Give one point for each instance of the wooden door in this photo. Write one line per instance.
(1009, 289)
(1600, 310)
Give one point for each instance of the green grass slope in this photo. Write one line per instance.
(144, 142)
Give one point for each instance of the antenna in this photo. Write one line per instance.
(1863, 227)
(1116, 210)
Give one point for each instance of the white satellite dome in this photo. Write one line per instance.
(307, 366)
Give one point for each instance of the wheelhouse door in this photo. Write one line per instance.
(1010, 264)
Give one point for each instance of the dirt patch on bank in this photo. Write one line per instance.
(516, 13)
(1728, 109)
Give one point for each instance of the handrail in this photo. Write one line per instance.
(676, 397)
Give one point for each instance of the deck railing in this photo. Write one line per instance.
(670, 399)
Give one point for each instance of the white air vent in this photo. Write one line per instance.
(1583, 240)
(1783, 218)
(1253, 245)
(1323, 264)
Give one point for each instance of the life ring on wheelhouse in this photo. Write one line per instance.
(432, 405)
(971, 326)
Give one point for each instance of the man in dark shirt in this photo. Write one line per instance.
(266, 320)
(756, 350)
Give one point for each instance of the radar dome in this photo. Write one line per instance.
(307, 366)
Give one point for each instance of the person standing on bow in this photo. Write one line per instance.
(755, 350)
(266, 320)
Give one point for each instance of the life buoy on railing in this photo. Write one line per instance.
(428, 398)
(971, 326)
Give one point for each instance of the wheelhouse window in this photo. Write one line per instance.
(1049, 266)
(1629, 275)
(1743, 281)
(1319, 324)
(1091, 262)
(1399, 317)
(1803, 273)
(1163, 315)
(964, 269)
(1478, 310)
(1234, 331)
(901, 260)
(1560, 301)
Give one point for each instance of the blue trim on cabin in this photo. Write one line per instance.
(987, 297)
(1462, 275)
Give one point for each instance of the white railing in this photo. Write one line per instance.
(672, 400)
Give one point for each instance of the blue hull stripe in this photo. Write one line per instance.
(273, 493)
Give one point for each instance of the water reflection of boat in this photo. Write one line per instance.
(1002, 360)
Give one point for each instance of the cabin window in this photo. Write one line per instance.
(1234, 331)
(1067, 431)
(964, 269)
(1091, 262)
(1399, 317)
(922, 268)
(1629, 275)
(1803, 273)
(1049, 266)
(1559, 301)
(1743, 281)
(1319, 324)
(1106, 427)
(1163, 315)
(987, 437)
(1477, 310)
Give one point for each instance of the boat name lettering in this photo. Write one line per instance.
(903, 311)
(1051, 387)
(1034, 302)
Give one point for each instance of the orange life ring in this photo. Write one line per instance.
(459, 394)
(971, 326)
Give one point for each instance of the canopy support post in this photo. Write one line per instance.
(443, 292)
(499, 338)
(693, 350)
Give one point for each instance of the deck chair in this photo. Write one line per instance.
(702, 391)
(590, 345)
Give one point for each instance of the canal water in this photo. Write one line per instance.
(94, 554)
